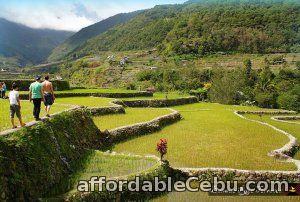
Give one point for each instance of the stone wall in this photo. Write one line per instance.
(157, 103)
(108, 95)
(278, 112)
(234, 174)
(127, 132)
(98, 111)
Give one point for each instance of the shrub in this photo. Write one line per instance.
(289, 101)
(24, 84)
(265, 99)
(201, 93)
(227, 87)
(298, 65)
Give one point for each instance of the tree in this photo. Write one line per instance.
(227, 87)
(298, 65)
(248, 67)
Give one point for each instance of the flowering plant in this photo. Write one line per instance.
(162, 147)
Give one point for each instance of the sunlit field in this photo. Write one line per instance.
(210, 135)
(26, 111)
(132, 116)
(85, 101)
(292, 128)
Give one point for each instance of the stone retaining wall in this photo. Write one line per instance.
(267, 112)
(126, 132)
(157, 103)
(235, 174)
(291, 118)
(98, 111)
(108, 95)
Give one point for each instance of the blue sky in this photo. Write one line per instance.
(70, 14)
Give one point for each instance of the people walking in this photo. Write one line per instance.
(15, 106)
(3, 91)
(36, 96)
(48, 95)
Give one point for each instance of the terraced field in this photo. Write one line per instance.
(132, 116)
(206, 127)
(209, 135)
(85, 101)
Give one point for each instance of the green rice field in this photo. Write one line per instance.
(85, 101)
(132, 116)
(209, 135)
(206, 127)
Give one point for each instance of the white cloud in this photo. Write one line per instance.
(67, 14)
(61, 17)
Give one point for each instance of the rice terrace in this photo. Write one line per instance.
(194, 100)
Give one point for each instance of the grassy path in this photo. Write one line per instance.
(26, 111)
(61, 104)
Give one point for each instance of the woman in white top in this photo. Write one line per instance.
(15, 106)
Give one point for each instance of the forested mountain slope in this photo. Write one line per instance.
(204, 27)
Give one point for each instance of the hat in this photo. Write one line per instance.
(38, 77)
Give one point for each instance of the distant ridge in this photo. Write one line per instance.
(28, 45)
(89, 32)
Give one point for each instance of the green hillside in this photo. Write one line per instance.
(204, 27)
(89, 32)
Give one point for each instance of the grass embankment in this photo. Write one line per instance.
(26, 110)
(210, 135)
(132, 116)
(291, 128)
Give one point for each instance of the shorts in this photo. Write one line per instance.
(15, 109)
(48, 99)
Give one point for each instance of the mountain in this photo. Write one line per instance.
(201, 27)
(89, 32)
(28, 45)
